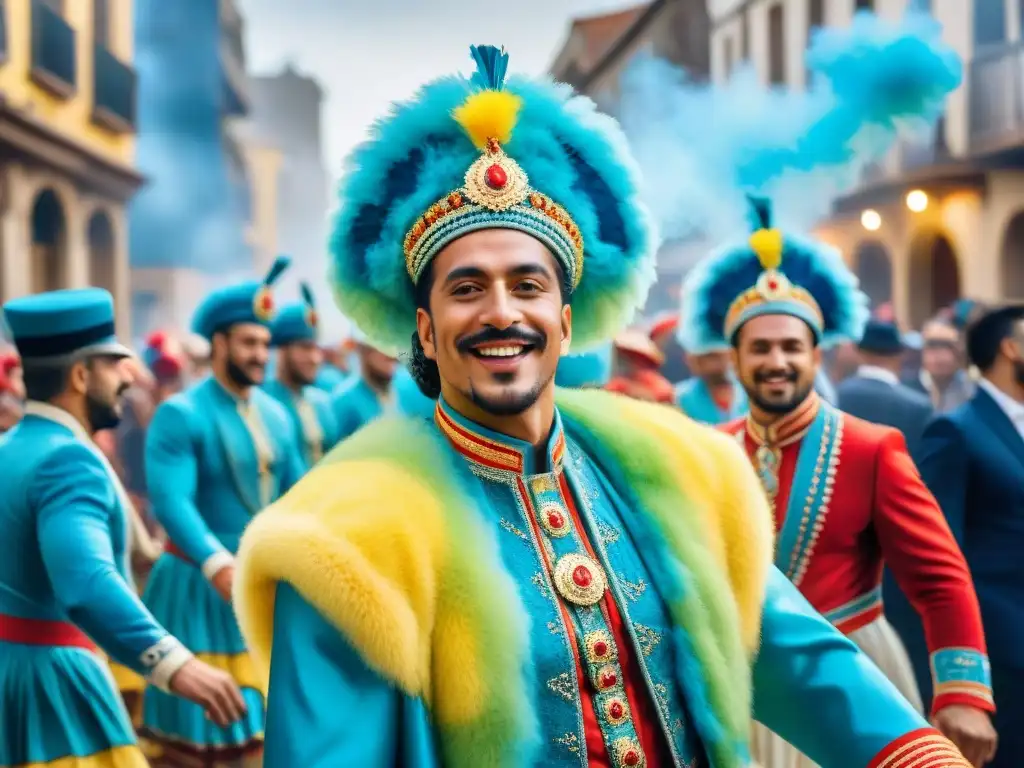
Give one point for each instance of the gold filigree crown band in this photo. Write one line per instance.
(496, 193)
(774, 294)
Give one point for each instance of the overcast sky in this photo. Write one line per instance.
(366, 53)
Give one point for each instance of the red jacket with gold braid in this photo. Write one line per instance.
(847, 497)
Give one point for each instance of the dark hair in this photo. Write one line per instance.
(987, 333)
(424, 370)
(45, 382)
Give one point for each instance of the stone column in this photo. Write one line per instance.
(15, 235)
(122, 272)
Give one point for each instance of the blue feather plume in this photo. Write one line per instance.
(307, 295)
(491, 65)
(279, 266)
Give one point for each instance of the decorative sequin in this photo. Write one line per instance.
(563, 686)
(627, 754)
(555, 520)
(599, 647)
(580, 579)
(632, 589)
(570, 741)
(511, 528)
(647, 638)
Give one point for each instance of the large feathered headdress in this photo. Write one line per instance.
(466, 155)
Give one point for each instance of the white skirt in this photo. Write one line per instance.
(883, 646)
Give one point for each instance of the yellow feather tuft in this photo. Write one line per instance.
(767, 244)
(489, 115)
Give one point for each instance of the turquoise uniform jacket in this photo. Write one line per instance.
(203, 470)
(355, 405)
(312, 446)
(65, 540)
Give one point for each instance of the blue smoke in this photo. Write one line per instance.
(701, 147)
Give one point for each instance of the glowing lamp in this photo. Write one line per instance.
(917, 200)
(871, 220)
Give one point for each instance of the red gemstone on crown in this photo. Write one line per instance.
(608, 679)
(496, 176)
(555, 520)
(772, 285)
(600, 648)
(615, 710)
(631, 758)
(582, 576)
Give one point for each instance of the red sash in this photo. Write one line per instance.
(172, 549)
(61, 634)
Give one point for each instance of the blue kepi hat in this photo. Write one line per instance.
(296, 322)
(62, 327)
(248, 302)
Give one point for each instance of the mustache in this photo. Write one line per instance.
(495, 335)
(789, 374)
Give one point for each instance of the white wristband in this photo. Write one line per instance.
(163, 660)
(214, 563)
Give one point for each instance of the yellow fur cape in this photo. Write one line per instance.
(367, 538)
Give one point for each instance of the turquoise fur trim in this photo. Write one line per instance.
(714, 668)
(961, 665)
(811, 491)
(715, 282)
(506, 733)
(418, 154)
(782, 307)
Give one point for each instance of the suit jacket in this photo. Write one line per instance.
(973, 461)
(893, 405)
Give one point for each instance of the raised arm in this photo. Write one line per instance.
(171, 476)
(325, 705)
(924, 558)
(818, 691)
(73, 496)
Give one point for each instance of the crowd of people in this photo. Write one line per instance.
(458, 541)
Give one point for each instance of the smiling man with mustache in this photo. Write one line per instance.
(845, 492)
(534, 577)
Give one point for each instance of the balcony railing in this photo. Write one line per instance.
(53, 50)
(113, 91)
(996, 88)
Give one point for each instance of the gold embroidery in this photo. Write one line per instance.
(545, 482)
(554, 628)
(599, 646)
(563, 686)
(508, 526)
(570, 742)
(633, 590)
(541, 583)
(647, 638)
(555, 520)
(479, 446)
(608, 534)
(616, 711)
(628, 754)
(264, 451)
(830, 472)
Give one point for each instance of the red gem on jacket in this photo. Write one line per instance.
(608, 680)
(496, 176)
(582, 576)
(555, 519)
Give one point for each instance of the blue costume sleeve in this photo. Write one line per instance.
(294, 462)
(325, 705)
(818, 691)
(942, 461)
(171, 474)
(73, 496)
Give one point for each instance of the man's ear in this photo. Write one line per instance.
(425, 329)
(78, 378)
(566, 342)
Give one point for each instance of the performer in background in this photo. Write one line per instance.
(845, 492)
(65, 582)
(299, 357)
(712, 395)
(368, 393)
(586, 370)
(216, 455)
(534, 579)
(973, 461)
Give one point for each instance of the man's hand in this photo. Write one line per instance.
(213, 690)
(223, 580)
(971, 730)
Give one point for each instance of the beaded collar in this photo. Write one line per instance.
(496, 451)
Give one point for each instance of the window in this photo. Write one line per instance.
(868, 5)
(989, 22)
(101, 22)
(815, 16)
(776, 45)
